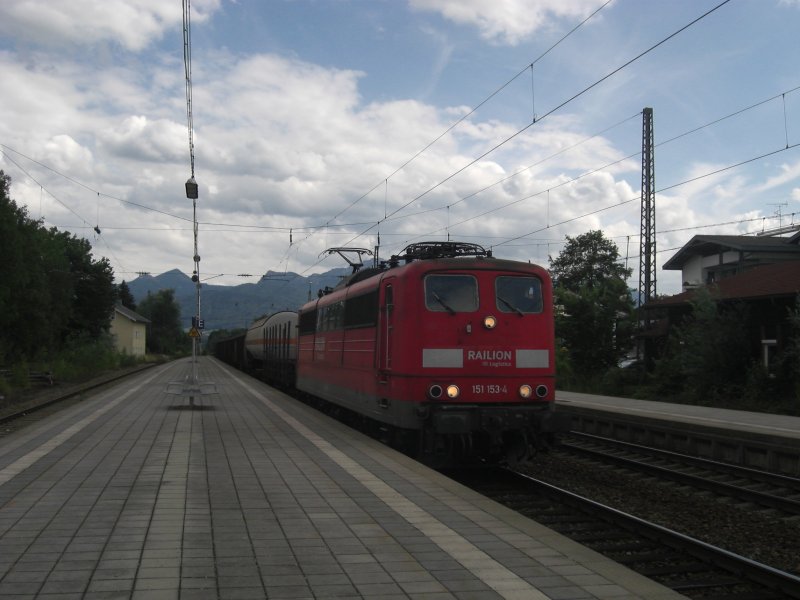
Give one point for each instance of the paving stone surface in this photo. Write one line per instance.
(139, 494)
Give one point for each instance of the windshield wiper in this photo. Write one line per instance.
(511, 306)
(443, 303)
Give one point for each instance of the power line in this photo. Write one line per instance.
(316, 228)
(312, 228)
(83, 185)
(36, 181)
(661, 190)
(469, 113)
(585, 174)
(236, 227)
(551, 111)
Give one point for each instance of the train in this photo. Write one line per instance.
(443, 351)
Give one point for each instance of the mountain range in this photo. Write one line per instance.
(233, 307)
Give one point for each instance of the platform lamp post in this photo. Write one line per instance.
(192, 194)
(194, 387)
(191, 387)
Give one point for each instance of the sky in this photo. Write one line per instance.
(513, 124)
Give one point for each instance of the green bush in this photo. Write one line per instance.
(128, 360)
(20, 376)
(83, 357)
(564, 372)
(5, 388)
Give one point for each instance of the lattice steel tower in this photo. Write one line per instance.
(647, 254)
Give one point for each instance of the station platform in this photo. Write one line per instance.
(247, 493)
(726, 419)
(762, 441)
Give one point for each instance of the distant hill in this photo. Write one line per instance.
(231, 307)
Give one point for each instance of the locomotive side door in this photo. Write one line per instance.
(385, 329)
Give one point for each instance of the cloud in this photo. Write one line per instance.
(140, 138)
(134, 24)
(284, 143)
(788, 173)
(507, 21)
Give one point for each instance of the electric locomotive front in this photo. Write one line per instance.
(451, 354)
(479, 361)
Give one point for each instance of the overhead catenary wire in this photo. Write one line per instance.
(87, 187)
(190, 118)
(41, 187)
(187, 65)
(660, 144)
(221, 226)
(661, 190)
(327, 225)
(561, 241)
(468, 114)
(552, 111)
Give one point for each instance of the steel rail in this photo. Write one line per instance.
(733, 469)
(77, 390)
(736, 565)
(787, 505)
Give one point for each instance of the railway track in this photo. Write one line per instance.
(51, 400)
(760, 488)
(689, 566)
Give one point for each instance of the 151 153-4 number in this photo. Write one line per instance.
(491, 388)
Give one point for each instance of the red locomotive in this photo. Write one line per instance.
(446, 351)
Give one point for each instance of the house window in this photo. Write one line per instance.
(769, 348)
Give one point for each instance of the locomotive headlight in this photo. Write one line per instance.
(435, 391)
(489, 322)
(453, 391)
(525, 391)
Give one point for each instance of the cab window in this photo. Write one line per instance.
(451, 293)
(518, 294)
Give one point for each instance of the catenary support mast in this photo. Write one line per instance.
(647, 254)
(647, 249)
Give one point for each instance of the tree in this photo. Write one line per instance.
(589, 260)
(23, 286)
(51, 290)
(94, 291)
(708, 356)
(594, 307)
(125, 296)
(165, 335)
(788, 370)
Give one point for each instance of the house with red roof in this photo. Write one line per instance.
(762, 272)
(707, 259)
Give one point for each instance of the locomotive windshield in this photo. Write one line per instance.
(519, 294)
(451, 293)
